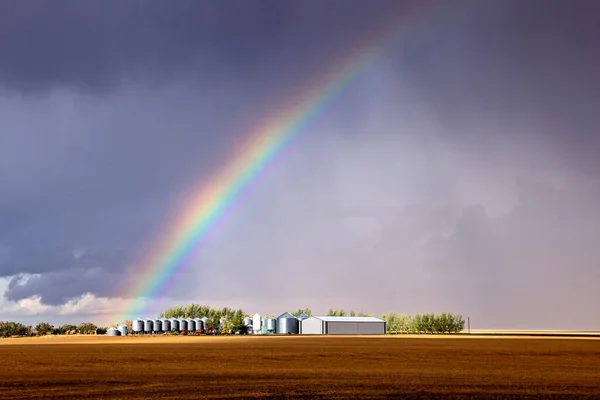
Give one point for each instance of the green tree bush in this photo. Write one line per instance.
(43, 328)
(87, 328)
(306, 311)
(8, 329)
(66, 328)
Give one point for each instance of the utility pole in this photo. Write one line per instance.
(469, 324)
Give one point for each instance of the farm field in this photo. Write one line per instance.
(295, 367)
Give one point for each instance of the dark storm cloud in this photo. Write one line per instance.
(97, 45)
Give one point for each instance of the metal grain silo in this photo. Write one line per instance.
(287, 324)
(123, 329)
(247, 321)
(271, 325)
(157, 325)
(199, 324)
(165, 325)
(302, 316)
(174, 324)
(113, 332)
(182, 325)
(191, 325)
(137, 326)
(148, 325)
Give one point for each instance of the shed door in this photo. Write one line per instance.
(342, 328)
(371, 328)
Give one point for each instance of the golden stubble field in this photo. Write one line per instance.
(295, 367)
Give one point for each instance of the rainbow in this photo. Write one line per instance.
(261, 147)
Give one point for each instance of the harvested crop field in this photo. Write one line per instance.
(298, 367)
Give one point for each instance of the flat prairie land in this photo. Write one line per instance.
(299, 367)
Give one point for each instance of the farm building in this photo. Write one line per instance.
(343, 326)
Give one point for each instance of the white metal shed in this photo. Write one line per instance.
(343, 326)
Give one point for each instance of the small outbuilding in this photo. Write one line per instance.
(343, 326)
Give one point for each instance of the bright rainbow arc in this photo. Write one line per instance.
(262, 146)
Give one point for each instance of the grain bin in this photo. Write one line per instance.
(148, 325)
(199, 324)
(271, 325)
(165, 325)
(182, 325)
(157, 325)
(287, 325)
(301, 316)
(123, 329)
(113, 332)
(137, 326)
(247, 321)
(174, 324)
(191, 325)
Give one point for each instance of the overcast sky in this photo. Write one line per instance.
(459, 172)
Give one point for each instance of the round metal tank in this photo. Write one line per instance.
(182, 325)
(271, 324)
(113, 332)
(174, 324)
(301, 316)
(148, 325)
(288, 325)
(199, 324)
(157, 325)
(123, 329)
(191, 324)
(256, 322)
(165, 325)
(247, 321)
(137, 326)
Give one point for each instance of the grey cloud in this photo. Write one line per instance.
(58, 287)
(96, 46)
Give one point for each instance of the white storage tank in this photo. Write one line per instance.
(191, 325)
(199, 324)
(165, 325)
(256, 323)
(148, 326)
(123, 329)
(157, 325)
(137, 326)
(182, 325)
(113, 332)
(174, 324)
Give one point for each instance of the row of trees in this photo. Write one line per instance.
(341, 313)
(299, 311)
(424, 323)
(8, 329)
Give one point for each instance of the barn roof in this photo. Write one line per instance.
(349, 319)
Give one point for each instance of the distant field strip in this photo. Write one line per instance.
(508, 332)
